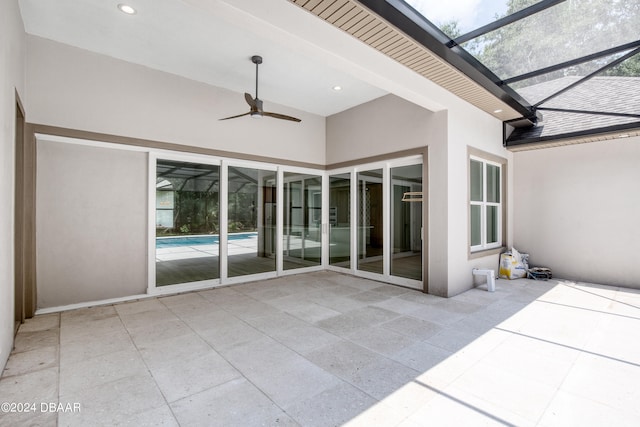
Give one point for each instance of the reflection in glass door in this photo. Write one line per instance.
(302, 231)
(340, 220)
(251, 247)
(370, 221)
(187, 207)
(406, 221)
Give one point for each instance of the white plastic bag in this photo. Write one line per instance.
(513, 265)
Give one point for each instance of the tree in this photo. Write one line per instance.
(567, 31)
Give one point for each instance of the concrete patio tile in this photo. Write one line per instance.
(33, 388)
(342, 325)
(517, 394)
(100, 370)
(162, 353)
(372, 315)
(223, 295)
(438, 315)
(413, 328)
(421, 356)
(381, 340)
(408, 399)
(159, 331)
(258, 355)
(567, 409)
(304, 338)
(341, 304)
(399, 305)
(41, 323)
(532, 353)
(560, 324)
(134, 307)
(383, 377)
(344, 359)
(145, 318)
(186, 305)
(369, 297)
(295, 379)
(611, 337)
(36, 340)
(453, 339)
(107, 403)
(606, 380)
(543, 362)
(354, 282)
(160, 416)
(79, 329)
(453, 407)
(420, 298)
(205, 318)
(192, 374)
(76, 349)
(89, 314)
(250, 309)
(379, 414)
(333, 407)
(32, 360)
(457, 364)
(392, 291)
(235, 403)
(231, 333)
(312, 312)
(275, 323)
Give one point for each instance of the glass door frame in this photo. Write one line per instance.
(153, 158)
(224, 163)
(323, 222)
(386, 167)
(224, 220)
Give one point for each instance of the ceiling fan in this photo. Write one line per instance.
(256, 110)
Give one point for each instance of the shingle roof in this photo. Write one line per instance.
(599, 94)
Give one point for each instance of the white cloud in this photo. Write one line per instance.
(441, 11)
(470, 14)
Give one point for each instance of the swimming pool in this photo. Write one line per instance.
(213, 239)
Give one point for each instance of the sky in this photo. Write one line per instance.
(470, 14)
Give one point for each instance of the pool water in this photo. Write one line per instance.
(170, 242)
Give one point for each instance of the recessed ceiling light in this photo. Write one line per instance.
(497, 111)
(337, 88)
(624, 135)
(125, 8)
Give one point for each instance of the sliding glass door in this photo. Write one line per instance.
(251, 225)
(216, 221)
(370, 221)
(186, 218)
(302, 228)
(406, 221)
(340, 220)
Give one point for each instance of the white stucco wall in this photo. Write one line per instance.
(91, 223)
(577, 210)
(469, 127)
(12, 54)
(377, 127)
(74, 88)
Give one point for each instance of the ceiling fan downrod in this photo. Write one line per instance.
(256, 59)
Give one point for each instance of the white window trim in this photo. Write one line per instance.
(484, 204)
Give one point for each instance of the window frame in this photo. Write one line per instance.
(484, 204)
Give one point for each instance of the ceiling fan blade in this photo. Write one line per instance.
(249, 99)
(281, 116)
(239, 115)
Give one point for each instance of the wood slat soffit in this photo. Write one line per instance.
(353, 18)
